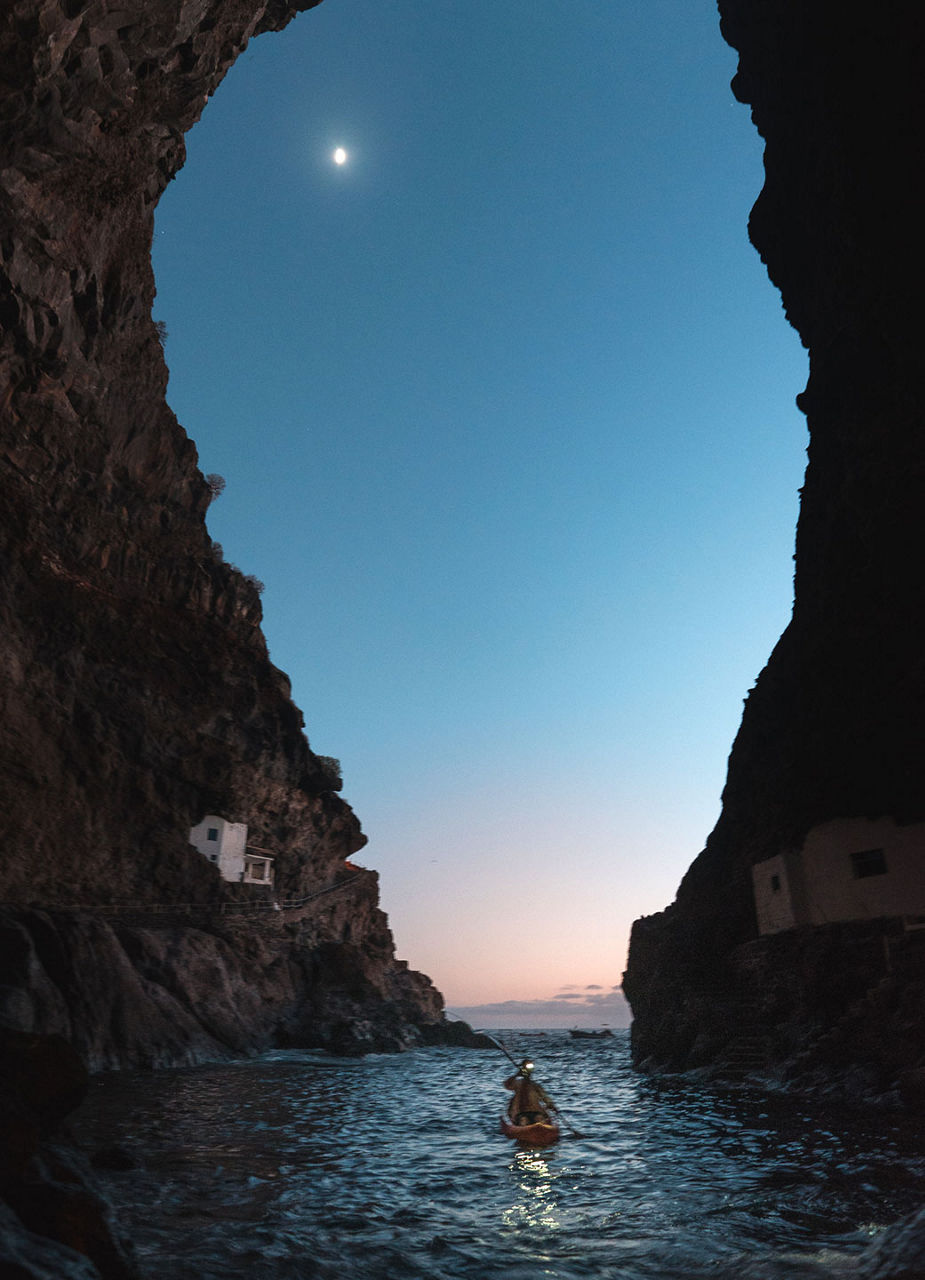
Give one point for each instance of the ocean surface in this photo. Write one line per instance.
(297, 1165)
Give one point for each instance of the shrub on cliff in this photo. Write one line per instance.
(331, 771)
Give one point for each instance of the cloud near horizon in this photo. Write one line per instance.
(592, 1005)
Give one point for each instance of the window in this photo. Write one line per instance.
(775, 884)
(212, 833)
(869, 862)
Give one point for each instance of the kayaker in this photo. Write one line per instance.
(530, 1103)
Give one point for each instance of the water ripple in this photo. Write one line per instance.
(298, 1166)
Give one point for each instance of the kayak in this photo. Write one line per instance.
(534, 1135)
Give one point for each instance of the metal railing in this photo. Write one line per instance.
(189, 908)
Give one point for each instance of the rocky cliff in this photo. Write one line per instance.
(136, 693)
(832, 728)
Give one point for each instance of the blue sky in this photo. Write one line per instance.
(505, 406)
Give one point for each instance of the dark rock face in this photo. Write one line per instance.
(832, 727)
(136, 694)
(182, 990)
(53, 1222)
(137, 691)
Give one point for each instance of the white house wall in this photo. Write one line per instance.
(227, 852)
(817, 884)
(832, 890)
(231, 857)
(773, 899)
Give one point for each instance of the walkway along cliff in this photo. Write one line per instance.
(795, 944)
(137, 694)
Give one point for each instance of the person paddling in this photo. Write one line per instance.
(530, 1103)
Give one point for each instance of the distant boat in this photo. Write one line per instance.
(590, 1035)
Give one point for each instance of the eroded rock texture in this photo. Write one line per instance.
(54, 1224)
(137, 694)
(833, 727)
(137, 690)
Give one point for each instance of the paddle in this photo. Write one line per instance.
(552, 1106)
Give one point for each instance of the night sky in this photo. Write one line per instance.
(505, 406)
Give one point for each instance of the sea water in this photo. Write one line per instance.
(297, 1165)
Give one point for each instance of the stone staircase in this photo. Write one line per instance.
(748, 1053)
(905, 960)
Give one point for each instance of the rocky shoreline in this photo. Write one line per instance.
(54, 1224)
(82, 990)
(833, 1011)
(145, 990)
(167, 993)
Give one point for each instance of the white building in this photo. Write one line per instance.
(846, 869)
(225, 844)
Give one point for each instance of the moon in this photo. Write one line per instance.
(340, 156)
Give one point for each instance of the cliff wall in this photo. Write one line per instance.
(832, 728)
(136, 693)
